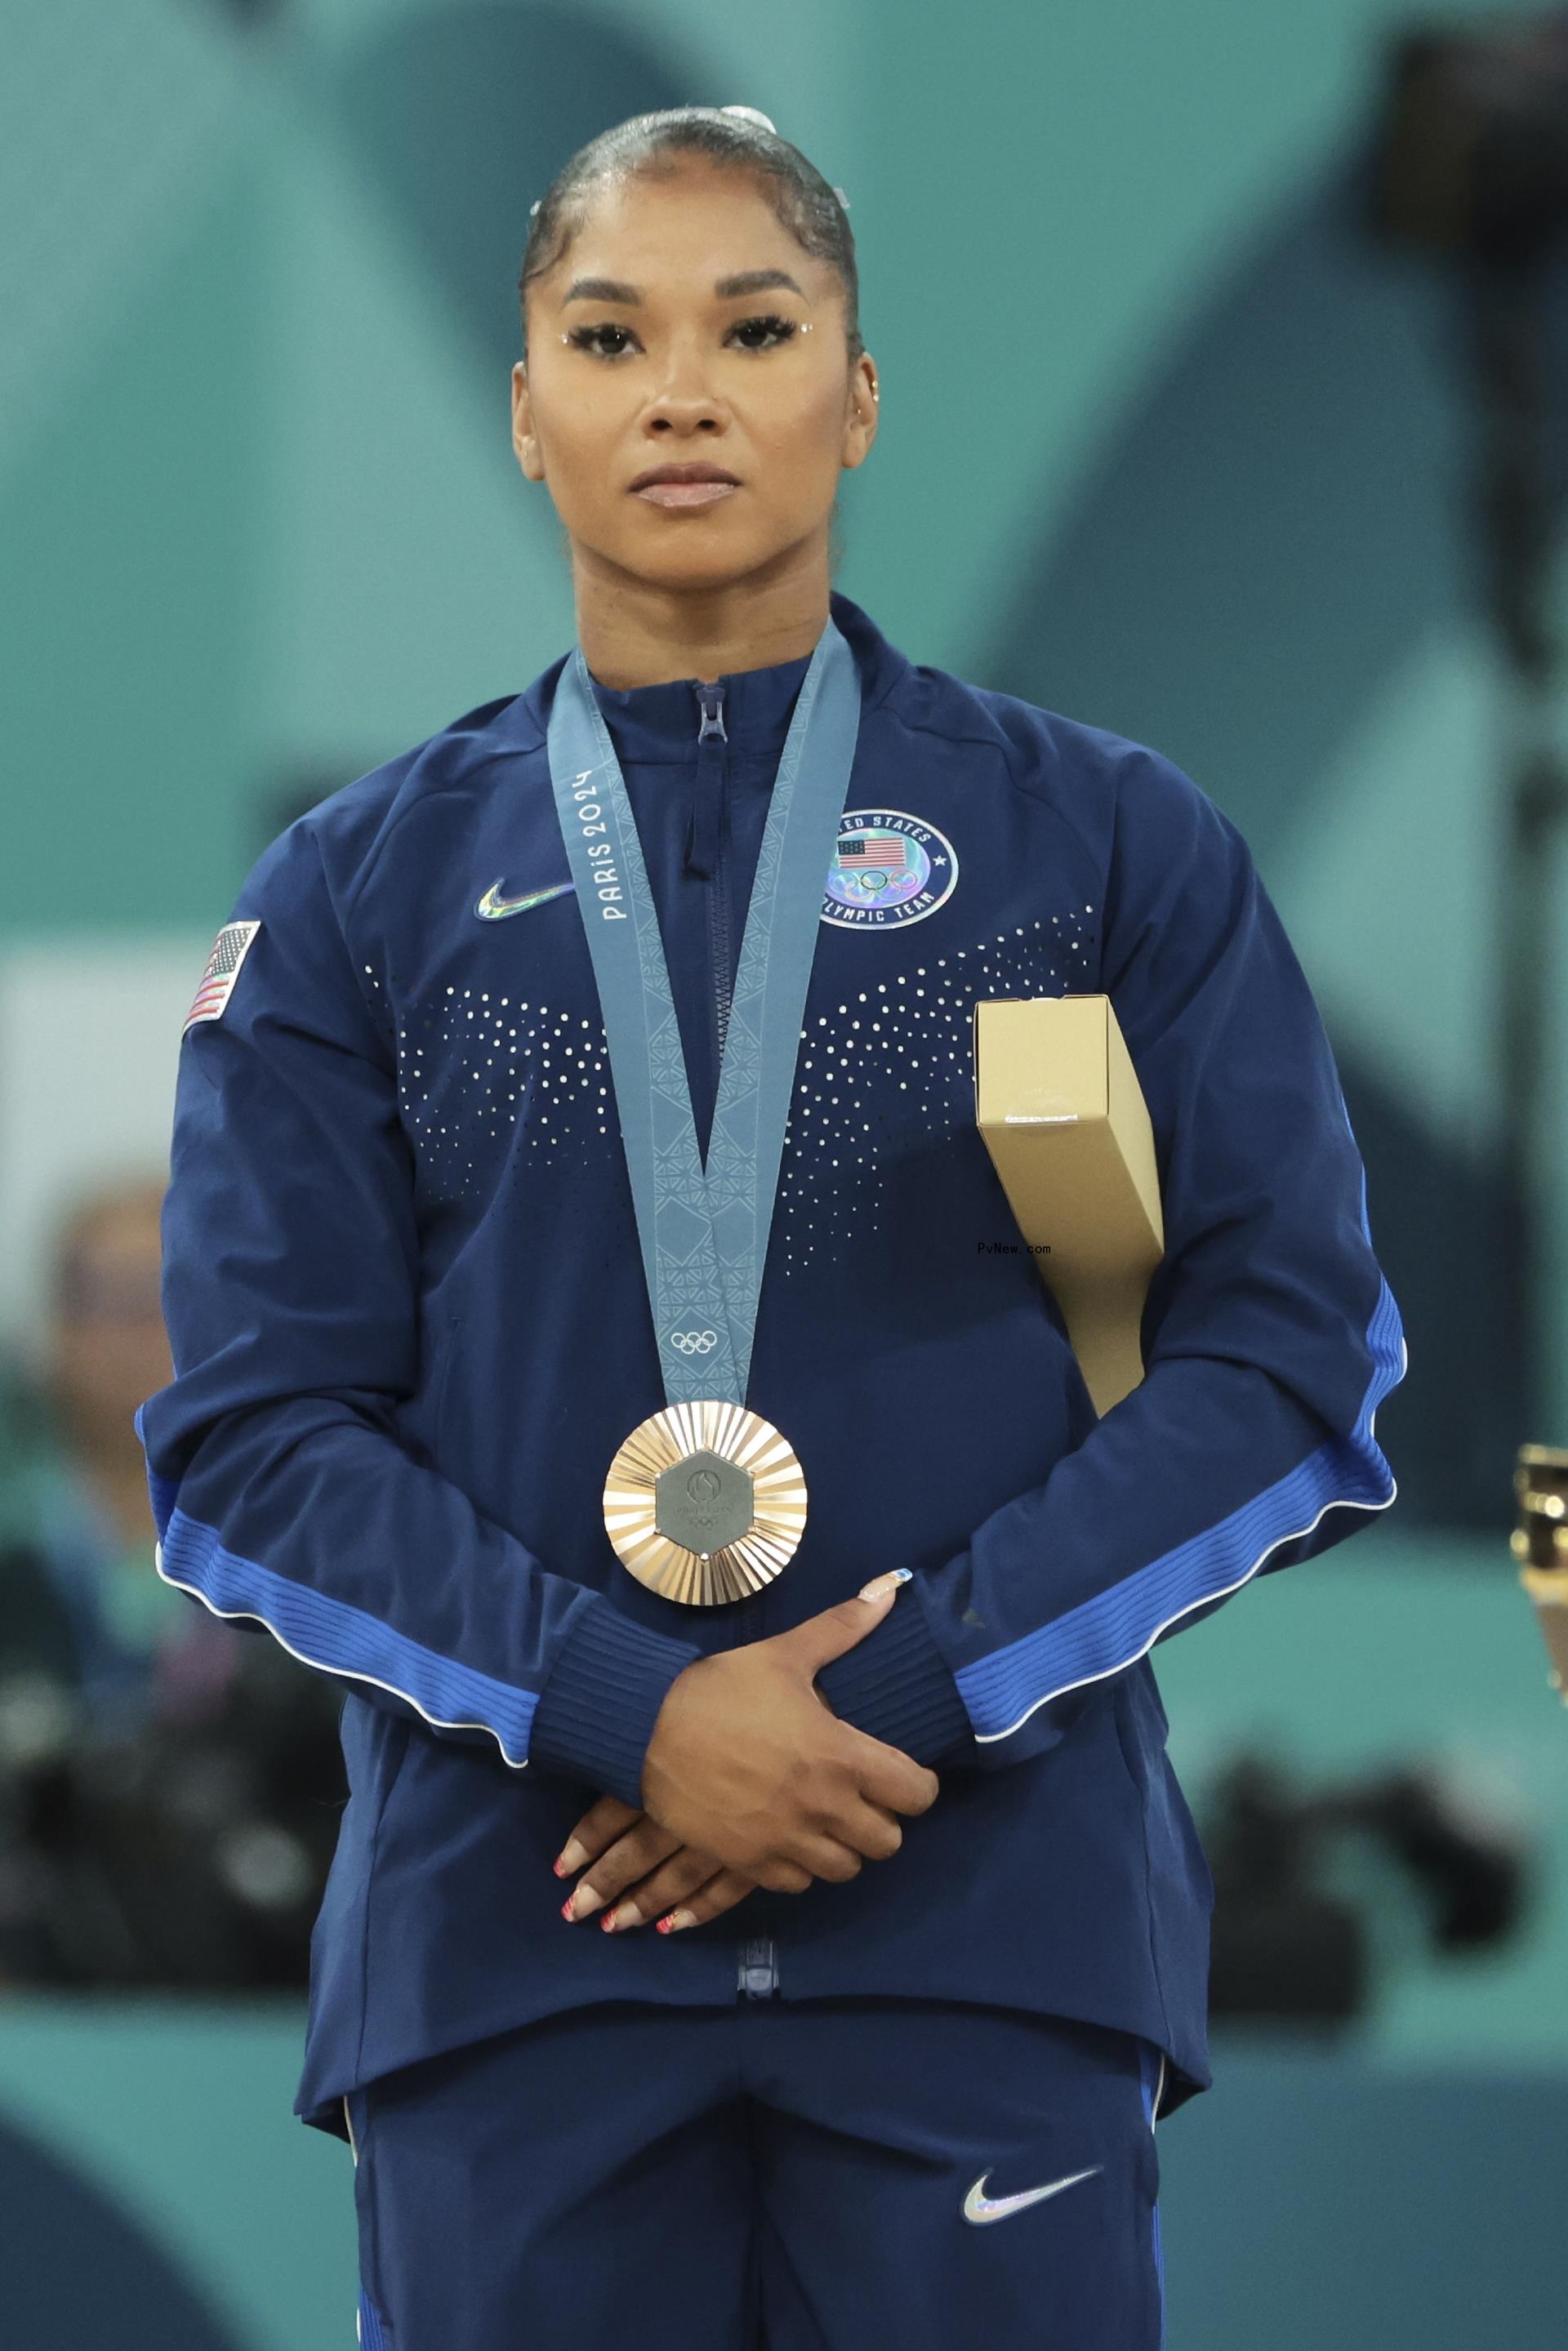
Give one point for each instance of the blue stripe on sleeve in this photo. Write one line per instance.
(162, 1492)
(343, 1639)
(1116, 1627)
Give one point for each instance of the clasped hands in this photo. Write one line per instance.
(750, 1779)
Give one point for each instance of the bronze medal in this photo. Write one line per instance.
(704, 1501)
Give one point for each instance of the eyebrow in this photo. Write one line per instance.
(726, 290)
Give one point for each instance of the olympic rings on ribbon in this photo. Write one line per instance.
(693, 1342)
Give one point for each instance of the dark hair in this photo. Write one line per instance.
(814, 214)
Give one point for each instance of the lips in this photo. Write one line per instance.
(687, 494)
(699, 484)
(699, 472)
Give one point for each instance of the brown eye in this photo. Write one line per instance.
(584, 339)
(783, 328)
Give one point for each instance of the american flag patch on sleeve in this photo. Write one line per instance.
(230, 949)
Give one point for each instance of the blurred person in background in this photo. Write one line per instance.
(168, 1787)
(77, 1599)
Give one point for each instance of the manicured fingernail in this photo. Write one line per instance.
(676, 1918)
(627, 1916)
(573, 1856)
(881, 1584)
(582, 1902)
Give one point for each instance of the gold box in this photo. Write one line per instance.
(1061, 1110)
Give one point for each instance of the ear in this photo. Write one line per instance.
(524, 442)
(861, 423)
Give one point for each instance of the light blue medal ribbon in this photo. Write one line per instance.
(704, 1232)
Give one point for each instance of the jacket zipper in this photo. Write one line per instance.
(757, 1972)
(711, 702)
(759, 1967)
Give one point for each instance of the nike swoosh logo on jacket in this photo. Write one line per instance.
(492, 908)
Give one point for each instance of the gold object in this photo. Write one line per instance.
(1061, 1110)
(1539, 1543)
(699, 1470)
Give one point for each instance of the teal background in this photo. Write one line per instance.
(1164, 445)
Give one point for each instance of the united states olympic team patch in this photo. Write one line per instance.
(230, 949)
(888, 869)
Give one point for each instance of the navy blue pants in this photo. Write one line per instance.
(811, 2175)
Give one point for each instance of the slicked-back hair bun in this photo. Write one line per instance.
(816, 215)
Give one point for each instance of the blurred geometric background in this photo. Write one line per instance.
(1164, 443)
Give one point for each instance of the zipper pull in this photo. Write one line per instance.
(701, 832)
(759, 1977)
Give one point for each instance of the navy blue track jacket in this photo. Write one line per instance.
(411, 1327)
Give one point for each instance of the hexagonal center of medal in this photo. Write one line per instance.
(704, 1502)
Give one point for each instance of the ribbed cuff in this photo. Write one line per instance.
(897, 1686)
(602, 1697)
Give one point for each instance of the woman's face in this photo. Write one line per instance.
(663, 365)
(107, 1347)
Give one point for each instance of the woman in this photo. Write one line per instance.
(116, 1697)
(440, 1258)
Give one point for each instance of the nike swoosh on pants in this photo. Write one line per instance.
(978, 2206)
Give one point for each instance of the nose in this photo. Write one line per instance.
(686, 398)
(668, 414)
